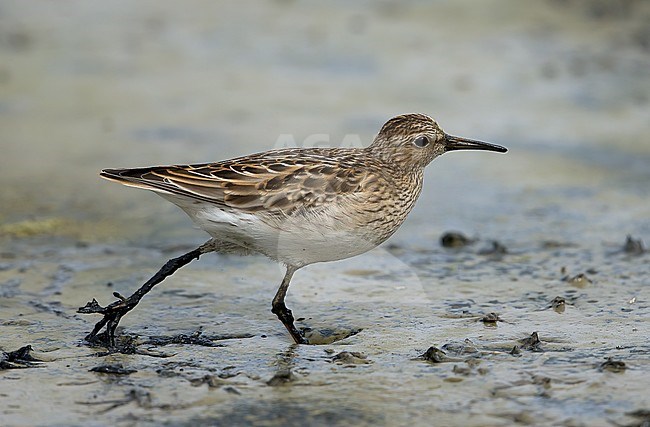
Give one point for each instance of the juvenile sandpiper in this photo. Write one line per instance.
(297, 206)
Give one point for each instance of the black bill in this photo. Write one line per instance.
(457, 143)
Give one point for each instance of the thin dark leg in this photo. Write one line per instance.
(114, 312)
(281, 310)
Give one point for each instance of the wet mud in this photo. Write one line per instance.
(192, 349)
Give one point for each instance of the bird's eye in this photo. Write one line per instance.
(421, 141)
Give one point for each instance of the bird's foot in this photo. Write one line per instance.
(112, 315)
(286, 317)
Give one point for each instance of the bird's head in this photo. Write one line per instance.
(414, 140)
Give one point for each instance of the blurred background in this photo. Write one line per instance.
(564, 84)
(89, 84)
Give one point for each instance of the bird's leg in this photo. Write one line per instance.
(114, 312)
(281, 310)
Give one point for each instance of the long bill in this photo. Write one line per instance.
(457, 143)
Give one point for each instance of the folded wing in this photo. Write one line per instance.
(280, 181)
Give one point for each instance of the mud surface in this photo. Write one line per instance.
(516, 293)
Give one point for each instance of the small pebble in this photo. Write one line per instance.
(611, 365)
(452, 239)
(632, 246)
(558, 304)
(579, 281)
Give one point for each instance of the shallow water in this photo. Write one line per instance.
(89, 85)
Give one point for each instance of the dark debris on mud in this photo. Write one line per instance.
(579, 280)
(494, 249)
(113, 369)
(435, 355)
(467, 350)
(19, 359)
(454, 239)
(457, 240)
(532, 343)
(558, 304)
(132, 344)
(124, 344)
(491, 319)
(197, 338)
(281, 377)
(633, 246)
(140, 397)
(351, 358)
(611, 365)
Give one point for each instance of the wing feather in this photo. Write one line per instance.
(277, 181)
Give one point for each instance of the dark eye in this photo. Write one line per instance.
(421, 141)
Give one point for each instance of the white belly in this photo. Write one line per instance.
(296, 241)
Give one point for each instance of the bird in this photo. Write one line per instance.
(297, 206)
